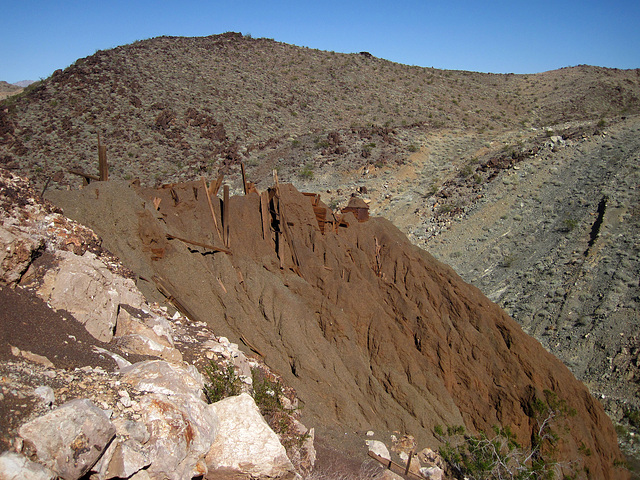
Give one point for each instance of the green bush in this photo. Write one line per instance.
(266, 393)
(223, 382)
(306, 172)
(499, 455)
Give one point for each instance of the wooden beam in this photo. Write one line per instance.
(225, 216)
(213, 213)
(164, 288)
(103, 165)
(395, 467)
(244, 178)
(199, 244)
(264, 211)
(214, 187)
(87, 177)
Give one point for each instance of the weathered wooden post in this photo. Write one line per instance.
(213, 213)
(225, 216)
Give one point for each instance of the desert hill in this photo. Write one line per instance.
(7, 90)
(174, 107)
(501, 176)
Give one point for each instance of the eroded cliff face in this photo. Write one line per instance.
(371, 331)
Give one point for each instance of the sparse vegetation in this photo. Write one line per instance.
(499, 455)
(306, 172)
(223, 382)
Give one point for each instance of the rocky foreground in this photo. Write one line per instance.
(97, 383)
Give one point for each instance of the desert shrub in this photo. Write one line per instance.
(498, 455)
(306, 172)
(570, 224)
(223, 382)
(266, 393)
(633, 416)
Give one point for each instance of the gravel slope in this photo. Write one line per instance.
(555, 241)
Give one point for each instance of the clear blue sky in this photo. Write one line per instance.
(40, 36)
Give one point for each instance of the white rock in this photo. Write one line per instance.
(128, 458)
(182, 431)
(143, 345)
(158, 376)
(70, 438)
(46, 394)
(245, 442)
(16, 253)
(432, 473)
(134, 430)
(120, 362)
(14, 466)
(379, 448)
(125, 399)
(86, 288)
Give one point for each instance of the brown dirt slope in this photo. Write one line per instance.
(371, 331)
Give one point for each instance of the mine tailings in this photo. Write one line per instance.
(371, 331)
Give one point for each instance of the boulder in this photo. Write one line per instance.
(14, 466)
(144, 334)
(70, 439)
(17, 250)
(86, 288)
(131, 321)
(122, 459)
(245, 443)
(144, 345)
(379, 448)
(432, 473)
(159, 376)
(182, 431)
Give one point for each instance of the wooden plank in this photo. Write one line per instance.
(406, 470)
(248, 344)
(85, 175)
(174, 196)
(244, 178)
(225, 216)
(315, 199)
(213, 213)
(103, 165)
(395, 467)
(199, 244)
(215, 187)
(264, 211)
(284, 226)
(165, 289)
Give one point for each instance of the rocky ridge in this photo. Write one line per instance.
(420, 170)
(173, 108)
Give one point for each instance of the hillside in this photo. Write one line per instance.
(7, 90)
(525, 184)
(174, 107)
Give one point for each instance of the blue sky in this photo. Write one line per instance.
(40, 36)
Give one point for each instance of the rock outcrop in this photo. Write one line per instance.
(64, 415)
(371, 331)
